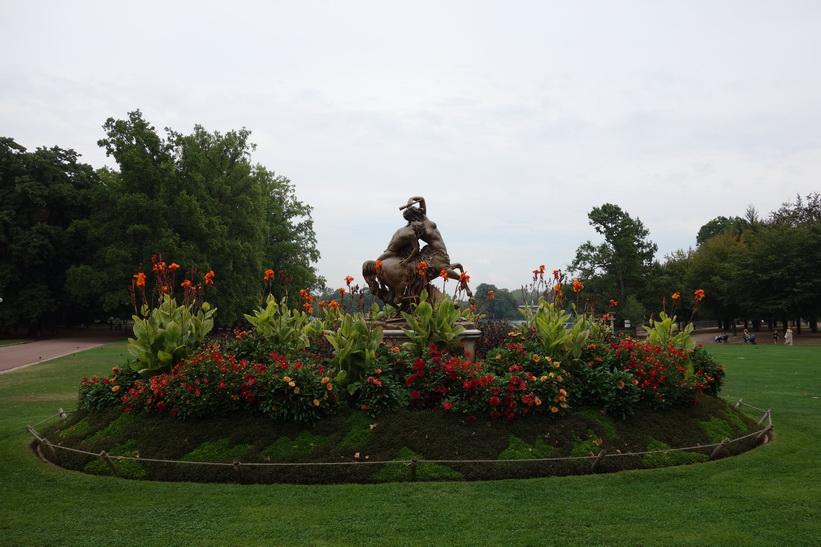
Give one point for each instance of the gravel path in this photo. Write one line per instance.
(16, 356)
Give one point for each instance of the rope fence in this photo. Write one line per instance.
(413, 462)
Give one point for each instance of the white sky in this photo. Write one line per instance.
(514, 119)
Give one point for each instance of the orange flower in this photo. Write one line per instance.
(174, 267)
(606, 317)
(165, 288)
(269, 274)
(699, 295)
(348, 280)
(378, 265)
(557, 288)
(159, 266)
(422, 267)
(541, 268)
(577, 285)
(333, 304)
(140, 280)
(464, 277)
(209, 278)
(556, 274)
(491, 295)
(614, 303)
(676, 295)
(444, 275)
(342, 291)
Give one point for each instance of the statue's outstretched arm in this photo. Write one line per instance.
(417, 199)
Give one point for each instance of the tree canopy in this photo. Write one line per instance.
(72, 239)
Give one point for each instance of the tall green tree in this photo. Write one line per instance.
(41, 194)
(618, 266)
(198, 200)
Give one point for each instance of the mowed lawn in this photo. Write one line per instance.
(770, 496)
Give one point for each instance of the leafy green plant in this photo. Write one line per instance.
(548, 322)
(167, 334)
(433, 323)
(355, 343)
(283, 328)
(663, 333)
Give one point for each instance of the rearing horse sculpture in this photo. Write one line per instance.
(397, 277)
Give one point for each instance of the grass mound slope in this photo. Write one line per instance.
(352, 447)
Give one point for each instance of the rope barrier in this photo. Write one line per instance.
(237, 465)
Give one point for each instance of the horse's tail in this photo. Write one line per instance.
(369, 270)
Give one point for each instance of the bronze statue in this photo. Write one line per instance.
(403, 271)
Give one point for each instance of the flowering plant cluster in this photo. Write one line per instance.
(214, 382)
(97, 393)
(552, 361)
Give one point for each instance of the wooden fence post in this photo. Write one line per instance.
(766, 416)
(720, 447)
(413, 462)
(597, 461)
(50, 447)
(238, 469)
(62, 413)
(104, 455)
(763, 432)
(738, 404)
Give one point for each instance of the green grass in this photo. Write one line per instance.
(768, 496)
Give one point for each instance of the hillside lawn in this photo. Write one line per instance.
(769, 496)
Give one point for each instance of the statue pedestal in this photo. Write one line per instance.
(469, 338)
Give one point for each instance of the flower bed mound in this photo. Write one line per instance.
(351, 447)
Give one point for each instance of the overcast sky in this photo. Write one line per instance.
(513, 119)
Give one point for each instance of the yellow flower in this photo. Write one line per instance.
(543, 379)
(296, 390)
(292, 384)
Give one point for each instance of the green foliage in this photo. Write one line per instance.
(167, 334)
(717, 429)
(283, 329)
(425, 471)
(618, 265)
(673, 457)
(42, 193)
(199, 198)
(663, 333)
(285, 447)
(434, 323)
(218, 451)
(518, 449)
(355, 344)
(548, 323)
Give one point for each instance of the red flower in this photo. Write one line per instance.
(269, 274)
(415, 394)
(209, 278)
(348, 280)
(422, 267)
(446, 405)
